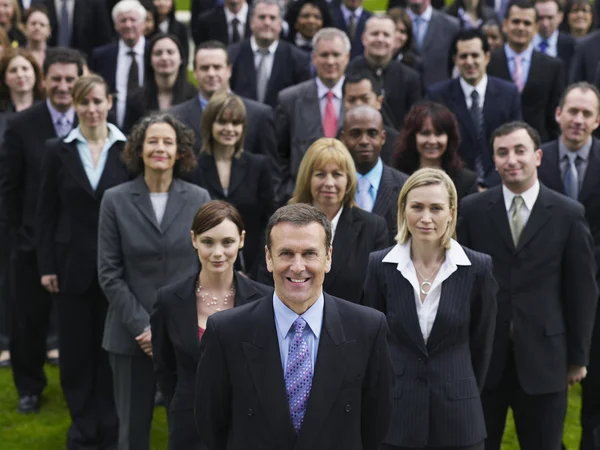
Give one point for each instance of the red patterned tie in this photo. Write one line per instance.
(330, 118)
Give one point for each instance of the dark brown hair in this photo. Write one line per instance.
(511, 127)
(9, 55)
(213, 213)
(299, 215)
(132, 153)
(221, 102)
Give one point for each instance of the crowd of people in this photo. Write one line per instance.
(400, 209)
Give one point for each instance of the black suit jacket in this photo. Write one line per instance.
(401, 88)
(290, 66)
(466, 183)
(198, 9)
(586, 57)
(502, 104)
(68, 212)
(104, 62)
(212, 25)
(22, 159)
(547, 285)
(358, 233)
(540, 97)
(241, 400)
(386, 202)
(389, 148)
(250, 191)
(357, 47)
(437, 384)
(565, 49)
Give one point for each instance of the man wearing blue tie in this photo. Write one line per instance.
(299, 369)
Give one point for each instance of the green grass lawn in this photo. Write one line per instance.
(47, 430)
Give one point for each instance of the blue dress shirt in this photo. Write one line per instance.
(510, 56)
(203, 101)
(374, 177)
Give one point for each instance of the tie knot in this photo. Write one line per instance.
(518, 59)
(572, 157)
(263, 51)
(475, 95)
(235, 21)
(517, 202)
(131, 53)
(299, 325)
(330, 95)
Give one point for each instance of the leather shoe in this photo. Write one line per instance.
(4, 364)
(29, 404)
(52, 361)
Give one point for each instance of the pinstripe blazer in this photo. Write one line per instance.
(437, 385)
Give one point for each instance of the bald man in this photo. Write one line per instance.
(378, 185)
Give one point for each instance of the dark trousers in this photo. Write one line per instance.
(538, 419)
(469, 447)
(590, 395)
(5, 304)
(85, 373)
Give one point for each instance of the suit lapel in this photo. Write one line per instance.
(347, 230)
(245, 292)
(246, 57)
(112, 169)
(193, 117)
(459, 106)
(72, 162)
(238, 170)
(311, 113)
(590, 178)
(141, 200)
(385, 194)
(187, 316)
(175, 203)
(210, 174)
(429, 34)
(277, 69)
(504, 71)
(534, 69)
(539, 216)
(499, 217)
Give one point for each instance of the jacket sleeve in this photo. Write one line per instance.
(12, 157)
(47, 212)
(372, 294)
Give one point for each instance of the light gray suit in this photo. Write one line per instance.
(136, 257)
(298, 123)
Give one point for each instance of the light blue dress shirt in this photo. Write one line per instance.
(203, 101)
(94, 173)
(424, 20)
(285, 318)
(510, 56)
(374, 177)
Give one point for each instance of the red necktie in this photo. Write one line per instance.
(330, 118)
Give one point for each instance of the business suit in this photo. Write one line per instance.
(389, 148)
(358, 233)
(466, 183)
(298, 123)
(585, 59)
(103, 61)
(176, 350)
(339, 22)
(250, 191)
(349, 400)
(401, 88)
(290, 66)
(23, 156)
(541, 94)
(136, 257)
(436, 399)
(212, 25)
(386, 202)
(546, 305)
(565, 49)
(197, 10)
(67, 218)
(502, 104)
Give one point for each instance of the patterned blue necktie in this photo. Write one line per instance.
(298, 374)
(543, 46)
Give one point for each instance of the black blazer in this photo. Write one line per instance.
(212, 25)
(586, 57)
(547, 287)
(389, 147)
(290, 66)
(540, 97)
(386, 202)
(176, 350)
(565, 49)
(358, 233)
(502, 104)
(241, 400)
(22, 158)
(466, 183)
(104, 62)
(437, 385)
(357, 47)
(250, 191)
(198, 9)
(68, 212)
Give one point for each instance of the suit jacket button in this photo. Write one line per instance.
(250, 412)
(348, 408)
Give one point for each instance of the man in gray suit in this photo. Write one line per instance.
(433, 33)
(315, 108)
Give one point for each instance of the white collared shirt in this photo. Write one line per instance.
(58, 8)
(257, 56)
(529, 198)
(348, 13)
(123, 65)
(241, 16)
(334, 222)
(338, 96)
(467, 89)
(164, 26)
(427, 309)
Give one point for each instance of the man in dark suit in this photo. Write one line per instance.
(542, 252)
(578, 116)
(586, 57)
(23, 156)
(264, 65)
(308, 369)
(312, 109)
(401, 84)
(480, 102)
(539, 77)
(351, 18)
(365, 136)
(121, 63)
(197, 10)
(80, 24)
(228, 24)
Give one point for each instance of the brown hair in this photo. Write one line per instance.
(9, 55)
(214, 213)
(15, 22)
(220, 103)
(85, 84)
(4, 40)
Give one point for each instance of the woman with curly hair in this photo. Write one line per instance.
(144, 244)
(306, 17)
(430, 138)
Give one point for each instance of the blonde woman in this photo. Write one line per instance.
(10, 21)
(440, 302)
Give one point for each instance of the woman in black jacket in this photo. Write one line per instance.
(165, 22)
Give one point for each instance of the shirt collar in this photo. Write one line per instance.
(285, 317)
(583, 152)
(374, 175)
(552, 40)
(241, 15)
(255, 47)
(525, 54)
(400, 254)
(479, 87)
(529, 196)
(425, 17)
(56, 114)
(347, 13)
(137, 48)
(322, 90)
(114, 135)
(335, 220)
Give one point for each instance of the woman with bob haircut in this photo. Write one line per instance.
(231, 174)
(182, 309)
(143, 245)
(327, 180)
(77, 171)
(440, 302)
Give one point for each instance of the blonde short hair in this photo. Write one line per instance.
(427, 177)
(321, 152)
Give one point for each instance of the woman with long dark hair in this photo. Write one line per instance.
(165, 22)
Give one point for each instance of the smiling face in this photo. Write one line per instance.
(379, 37)
(227, 130)
(266, 24)
(364, 136)
(578, 117)
(20, 75)
(93, 110)
(431, 143)
(401, 35)
(517, 160)
(330, 59)
(328, 186)
(165, 57)
(471, 60)
(159, 150)
(428, 212)
(310, 20)
(7, 12)
(59, 82)
(520, 26)
(218, 247)
(163, 7)
(130, 27)
(298, 261)
(580, 19)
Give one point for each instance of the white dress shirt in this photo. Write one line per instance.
(123, 65)
(338, 96)
(467, 89)
(241, 16)
(164, 26)
(257, 56)
(529, 198)
(334, 223)
(428, 308)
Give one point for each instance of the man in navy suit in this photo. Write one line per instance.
(496, 102)
(228, 24)
(351, 18)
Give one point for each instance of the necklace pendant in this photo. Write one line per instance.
(425, 284)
